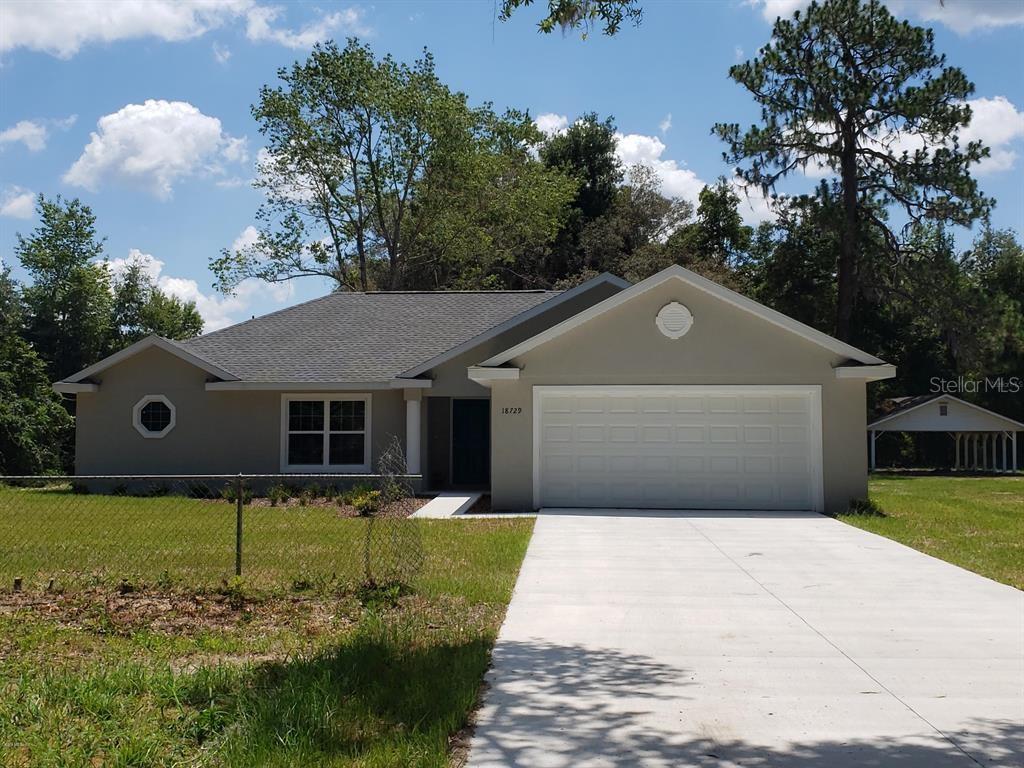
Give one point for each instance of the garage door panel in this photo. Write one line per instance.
(678, 447)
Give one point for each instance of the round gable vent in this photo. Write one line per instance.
(674, 320)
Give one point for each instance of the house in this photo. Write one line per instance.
(674, 392)
(977, 433)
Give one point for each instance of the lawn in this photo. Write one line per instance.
(179, 542)
(301, 674)
(974, 522)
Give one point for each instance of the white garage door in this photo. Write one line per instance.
(752, 448)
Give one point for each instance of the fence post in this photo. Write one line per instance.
(238, 525)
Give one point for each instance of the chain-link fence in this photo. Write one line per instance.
(199, 531)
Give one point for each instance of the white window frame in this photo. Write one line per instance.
(137, 416)
(326, 399)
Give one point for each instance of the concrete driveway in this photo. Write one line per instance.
(748, 640)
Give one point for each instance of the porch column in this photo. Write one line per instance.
(413, 397)
(1013, 447)
(873, 436)
(956, 439)
(1004, 440)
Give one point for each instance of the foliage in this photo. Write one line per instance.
(68, 302)
(846, 87)
(33, 422)
(375, 167)
(367, 503)
(140, 308)
(581, 14)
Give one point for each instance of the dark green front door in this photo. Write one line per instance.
(471, 443)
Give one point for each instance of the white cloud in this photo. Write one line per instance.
(637, 149)
(962, 16)
(17, 203)
(738, 54)
(998, 124)
(217, 311)
(246, 238)
(62, 28)
(221, 53)
(28, 132)
(154, 145)
(34, 133)
(550, 124)
(260, 19)
(666, 124)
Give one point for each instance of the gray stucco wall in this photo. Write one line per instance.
(226, 432)
(725, 346)
(214, 433)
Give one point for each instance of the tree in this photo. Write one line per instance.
(140, 308)
(847, 87)
(586, 152)
(581, 14)
(33, 423)
(719, 235)
(68, 303)
(360, 154)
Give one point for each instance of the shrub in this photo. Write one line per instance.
(367, 503)
(228, 494)
(277, 494)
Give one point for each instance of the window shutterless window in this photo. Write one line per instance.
(325, 433)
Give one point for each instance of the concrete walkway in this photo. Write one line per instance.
(783, 641)
(447, 504)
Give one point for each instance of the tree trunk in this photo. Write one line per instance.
(849, 241)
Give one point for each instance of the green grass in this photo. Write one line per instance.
(91, 677)
(974, 522)
(174, 541)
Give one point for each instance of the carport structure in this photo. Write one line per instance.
(984, 440)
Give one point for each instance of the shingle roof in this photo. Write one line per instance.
(896, 405)
(357, 337)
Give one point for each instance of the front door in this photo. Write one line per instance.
(471, 443)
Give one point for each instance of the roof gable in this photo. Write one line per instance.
(676, 272)
(167, 345)
(914, 415)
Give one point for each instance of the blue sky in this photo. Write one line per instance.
(141, 109)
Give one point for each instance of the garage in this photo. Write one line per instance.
(678, 447)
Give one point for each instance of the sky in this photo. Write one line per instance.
(142, 108)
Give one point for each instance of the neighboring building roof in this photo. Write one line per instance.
(903, 405)
(676, 272)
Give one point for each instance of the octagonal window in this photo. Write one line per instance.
(153, 416)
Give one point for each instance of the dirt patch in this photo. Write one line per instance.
(402, 508)
(182, 614)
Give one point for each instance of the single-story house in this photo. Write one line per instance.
(977, 433)
(674, 392)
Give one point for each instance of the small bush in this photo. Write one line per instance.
(229, 494)
(349, 496)
(277, 494)
(367, 503)
(304, 497)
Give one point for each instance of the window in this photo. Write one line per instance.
(943, 409)
(325, 433)
(153, 416)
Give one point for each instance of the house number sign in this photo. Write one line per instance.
(511, 411)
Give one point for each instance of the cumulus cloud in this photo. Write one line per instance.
(154, 145)
(962, 16)
(676, 181)
(17, 203)
(260, 27)
(666, 124)
(34, 133)
(217, 311)
(62, 28)
(550, 124)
